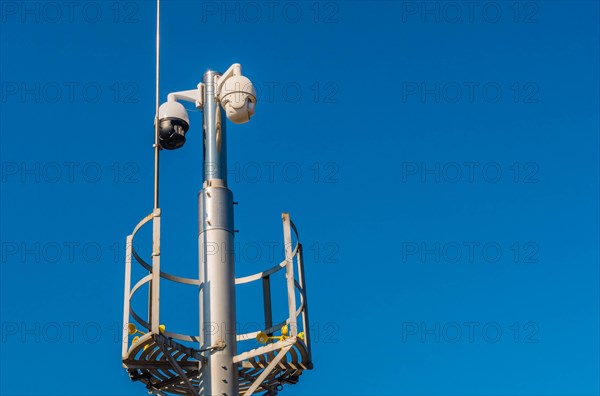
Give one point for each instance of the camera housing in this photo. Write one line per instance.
(238, 98)
(237, 95)
(173, 123)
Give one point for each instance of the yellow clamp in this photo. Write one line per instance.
(131, 329)
(263, 338)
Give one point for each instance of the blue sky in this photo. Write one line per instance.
(440, 160)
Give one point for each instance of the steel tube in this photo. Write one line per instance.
(216, 261)
(215, 142)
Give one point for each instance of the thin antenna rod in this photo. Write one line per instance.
(156, 145)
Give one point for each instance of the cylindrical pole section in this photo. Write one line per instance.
(215, 142)
(216, 261)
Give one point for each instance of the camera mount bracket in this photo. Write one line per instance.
(195, 96)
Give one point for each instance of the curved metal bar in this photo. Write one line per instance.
(195, 282)
(260, 275)
(140, 260)
(141, 223)
(177, 336)
(139, 319)
(166, 275)
(295, 231)
(270, 271)
(180, 279)
(140, 283)
(300, 289)
(299, 310)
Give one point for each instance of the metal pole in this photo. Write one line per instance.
(216, 261)
(154, 290)
(156, 145)
(215, 143)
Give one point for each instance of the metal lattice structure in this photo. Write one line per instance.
(169, 362)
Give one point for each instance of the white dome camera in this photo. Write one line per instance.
(173, 123)
(237, 95)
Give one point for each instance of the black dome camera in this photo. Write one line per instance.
(173, 123)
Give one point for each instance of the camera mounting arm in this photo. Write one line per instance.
(234, 70)
(195, 96)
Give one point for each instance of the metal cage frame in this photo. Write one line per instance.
(164, 364)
